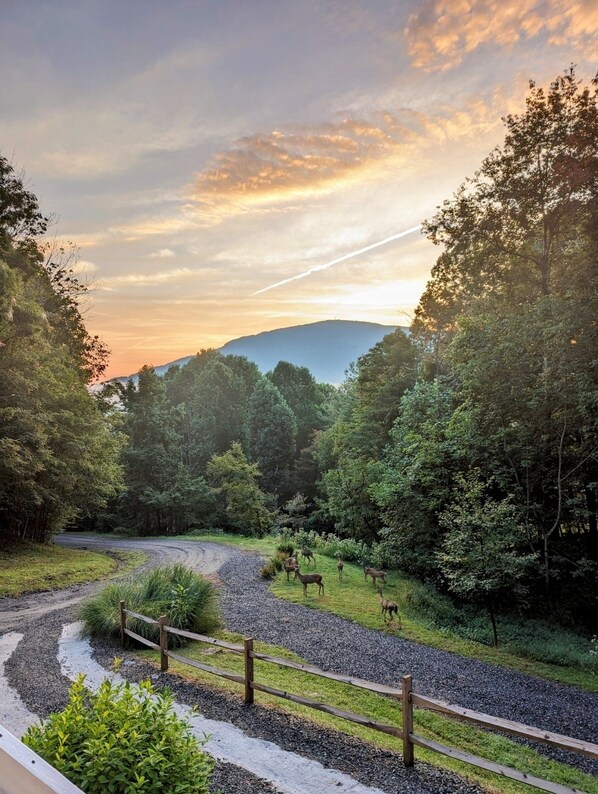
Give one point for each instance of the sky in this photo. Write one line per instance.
(198, 153)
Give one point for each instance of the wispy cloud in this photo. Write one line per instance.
(443, 32)
(162, 253)
(339, 259)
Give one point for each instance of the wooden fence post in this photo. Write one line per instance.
(162, 622)
(407, 720)
(247, 649)
(123, 624)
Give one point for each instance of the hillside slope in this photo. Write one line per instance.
(326, 348)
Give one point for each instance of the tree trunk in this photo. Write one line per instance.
(493, 620)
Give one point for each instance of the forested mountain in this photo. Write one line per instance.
(326, 348)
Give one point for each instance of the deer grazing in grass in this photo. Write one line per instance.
(374, 574)
(308, 554)
(388, 608)
(310, 578)
(290, 565)
(340, 564)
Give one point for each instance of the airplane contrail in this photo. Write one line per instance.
(317, 268)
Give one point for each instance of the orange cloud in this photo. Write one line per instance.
(300, 159)
(296, 162)
(443, 32)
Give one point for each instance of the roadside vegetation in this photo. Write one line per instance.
(386, 710)
(188, 600)
(31, 568)
(121, 740)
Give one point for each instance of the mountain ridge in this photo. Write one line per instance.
(326, 348)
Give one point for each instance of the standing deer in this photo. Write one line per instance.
(374, 574)
(308, 554)
(340, 565)
(290, 566)
(310, 578)
(388, 608)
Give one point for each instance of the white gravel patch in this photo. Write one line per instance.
(14, 714)
(289, 772)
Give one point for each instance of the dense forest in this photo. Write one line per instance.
(465, 453)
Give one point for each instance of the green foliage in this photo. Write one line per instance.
(243, 504)
(286, 547)
(189, 601)
(123, 739)
(272, 437)
(348, 549)
(58, 454)
(482, 557)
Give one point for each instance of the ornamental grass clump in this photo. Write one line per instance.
(188, 600)
(126, 738)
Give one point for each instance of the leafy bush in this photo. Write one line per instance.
(305, 539)
(268, 571)
(123, 739)
(287, 548)
(186, 598)
(347, 548)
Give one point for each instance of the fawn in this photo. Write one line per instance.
(310, 578)
(340, 565)
(374, 574)
(388, 608)
(290, 565)
(308, 554)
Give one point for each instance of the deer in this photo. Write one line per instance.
(374, 574)
(290, 566)
(388, 608)
(340, 565)
(310, 578)
(308, 554)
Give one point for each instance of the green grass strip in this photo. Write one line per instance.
(31, 568)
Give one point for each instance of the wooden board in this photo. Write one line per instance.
(202, 638)
(508, 726)
(145, 619)
(141, 639)
(504, 771)
(379, 689)
(346, 715)
(207, 668)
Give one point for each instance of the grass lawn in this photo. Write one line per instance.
(383, 709)
(30, 568)
(356, 600)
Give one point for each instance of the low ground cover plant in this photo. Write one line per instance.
(126, 738)
(188, 600)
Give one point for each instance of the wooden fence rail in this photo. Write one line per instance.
(409, 699)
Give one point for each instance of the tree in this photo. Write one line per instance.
(481, 557)
(522, 227)
(151, 457)
(272, 437)
(235, 481)
(300, 391)
(58, 456)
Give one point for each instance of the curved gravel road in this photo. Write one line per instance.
(324, 640)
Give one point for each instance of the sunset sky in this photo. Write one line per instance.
(199, 152)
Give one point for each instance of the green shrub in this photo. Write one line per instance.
(348, 549)
(287, 548)
(189, 601)
(123, 739)
(268, 571)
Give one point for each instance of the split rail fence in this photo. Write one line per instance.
(406, 695)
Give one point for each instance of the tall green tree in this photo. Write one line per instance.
(243, 505)
(272, 437)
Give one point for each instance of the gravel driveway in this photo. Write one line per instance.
(323, 639)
